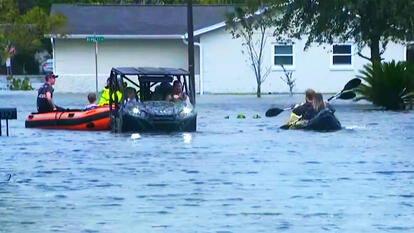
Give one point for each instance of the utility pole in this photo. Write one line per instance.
(190, 33)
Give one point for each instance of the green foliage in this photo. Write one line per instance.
(389, 84)
(241, 116)
(8, 11)
(23, 25)
(24, 63)
(27, 30)
(18, 84)
(251, 23)
(372, 23)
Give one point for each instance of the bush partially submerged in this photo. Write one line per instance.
(18, 84)
(389, 85)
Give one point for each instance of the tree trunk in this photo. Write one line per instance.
(375, 50)
(375, 54)
(259, 79)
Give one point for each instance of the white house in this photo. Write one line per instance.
(142, 35)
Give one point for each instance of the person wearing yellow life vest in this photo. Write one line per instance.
(104, 97)
(303, 113)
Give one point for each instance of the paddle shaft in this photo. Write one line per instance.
(353, 83)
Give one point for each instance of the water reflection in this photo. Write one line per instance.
(187, 138)
(135, 136)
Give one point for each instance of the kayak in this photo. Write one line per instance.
(325, 120)
(90, 120)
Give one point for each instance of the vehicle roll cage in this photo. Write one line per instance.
(147, 77)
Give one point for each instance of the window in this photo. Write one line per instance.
(341, 56)
(283, 55)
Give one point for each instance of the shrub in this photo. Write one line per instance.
(388, 85)
(18, 84)
(288, 79)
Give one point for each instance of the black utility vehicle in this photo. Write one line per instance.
(149, 110)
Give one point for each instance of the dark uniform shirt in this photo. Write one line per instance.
(43, 105)
(305, 110)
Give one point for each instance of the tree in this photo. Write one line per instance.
(288, 79)
(372, 23)
(245, 22)
(8, 12)
(25, 30)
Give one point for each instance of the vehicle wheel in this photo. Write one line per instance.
(112, 124)
(116, 124)
(192, 125)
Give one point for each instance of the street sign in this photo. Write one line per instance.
(94, 39)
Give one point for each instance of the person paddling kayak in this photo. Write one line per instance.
(318, 117)
(305, 111)
(306, 108)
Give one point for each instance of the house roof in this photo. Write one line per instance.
(139, 21)
(160, 71)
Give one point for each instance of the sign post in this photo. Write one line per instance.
(95, 39)
(6, 114)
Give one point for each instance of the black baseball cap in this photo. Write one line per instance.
(50, 75)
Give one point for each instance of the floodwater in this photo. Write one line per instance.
(232, 175)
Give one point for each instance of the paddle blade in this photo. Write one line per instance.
(347, 95)
(273, 112)
(286, 126)
(353, 83)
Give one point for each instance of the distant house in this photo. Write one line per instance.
(148, 35)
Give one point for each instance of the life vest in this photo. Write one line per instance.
(295, 121)
(104, 98)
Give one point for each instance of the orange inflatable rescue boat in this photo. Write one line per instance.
(94, 119)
